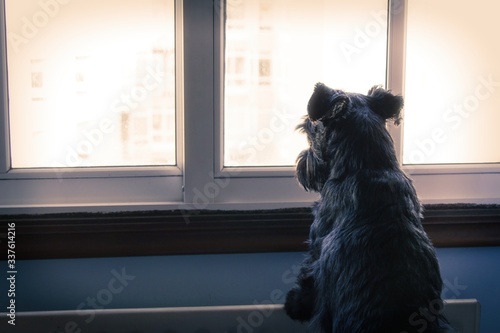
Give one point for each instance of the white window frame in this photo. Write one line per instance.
(444, 183)
(200, 181)
(208, 185)
(100, 189)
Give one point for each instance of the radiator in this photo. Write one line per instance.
(463, 314)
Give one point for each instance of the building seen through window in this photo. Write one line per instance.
(275, 52)
(91, 83)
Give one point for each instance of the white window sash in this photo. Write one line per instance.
(88, 189)
(458, 183)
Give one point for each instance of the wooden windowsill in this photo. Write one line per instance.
(197, 232)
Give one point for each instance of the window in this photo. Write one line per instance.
(87, 92)
(446, 72)
(90, 104)
(283, 48)
(235, 79)
(452, 85)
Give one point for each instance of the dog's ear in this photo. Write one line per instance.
(326, 103)
(385, 104)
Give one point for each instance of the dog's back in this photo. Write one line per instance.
(371, 267)
(378, 270)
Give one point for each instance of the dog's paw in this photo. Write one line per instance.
(297, 306)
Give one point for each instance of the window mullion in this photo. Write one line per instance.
(4, 115)
(396, 53)
(198, 102)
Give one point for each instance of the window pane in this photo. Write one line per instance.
(91, 82)
(276, 50)
(452, 107)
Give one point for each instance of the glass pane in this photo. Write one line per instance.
(276, 50)
(91, 82)
(452, 107)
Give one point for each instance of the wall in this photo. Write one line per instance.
(217, 280)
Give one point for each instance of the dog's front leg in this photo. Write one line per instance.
(300, 300)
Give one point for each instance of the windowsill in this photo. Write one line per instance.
(79, 235)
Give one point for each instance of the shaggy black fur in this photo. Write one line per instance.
(370, 267)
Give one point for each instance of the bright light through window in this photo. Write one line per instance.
(276, 50)
(452, 107)
(91, 82)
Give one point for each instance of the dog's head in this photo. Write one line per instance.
(341, 129)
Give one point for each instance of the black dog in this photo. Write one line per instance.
(370, 267)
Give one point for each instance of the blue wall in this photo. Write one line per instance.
(218, 280)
